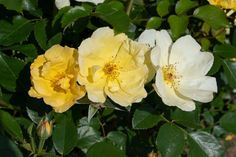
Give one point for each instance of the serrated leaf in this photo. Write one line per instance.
(205, 145)
(188, 119)
(32, 7)
(230, 72)
(118, 139)
(73, 15)
(13, 4)
(56, 39)
(16, 32)
(8, 148)
(225, 50)
(64, 135)
(105, 149)
(10, 125)
(9, 72)
(183, 6)
(115, 17)
(163, 7)
(144, 119)
(170, 140)
(212, 15)
(40, 33)
(154, 23)
(178, 25)
(60, 13)
(227, 122)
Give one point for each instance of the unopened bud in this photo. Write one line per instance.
(44, 129)
(152, 154)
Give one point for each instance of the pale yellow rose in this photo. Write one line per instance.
(227, 4)
(113, 65)
(54, 78)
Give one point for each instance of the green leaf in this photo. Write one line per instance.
(13, 4)
(154, 23)
(73, 15)
(178, 25)
(40, 33)
(183, 6)
(91, 112)
(56, 39)
(32, 7)
(145, 118)
(212, 15)
(163, 7)
(33, 115)
(225, 50)
(203, 144)
(227, 122)
(8, 148)
(115, 17)
(105, 150)
(87, 136)
(9, 71)
(216, 65)
(118, 138)
(64, 135)
(10, 125)
(29, 50)
(60, 13)
(170, 140)
(16, 32)
(230, 72)
(188, 119)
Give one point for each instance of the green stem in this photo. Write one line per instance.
(129, 7)
(41, 144)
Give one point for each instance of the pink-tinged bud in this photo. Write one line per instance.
(44, 129)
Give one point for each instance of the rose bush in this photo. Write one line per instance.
(117, 78)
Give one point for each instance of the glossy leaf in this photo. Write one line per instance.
(73, 14)
(212, 15)
(230, 72)
(40, 33)
(178, 25)
(144, 119)
(16, 32)
(227, 121)
(205, 145)
(225, 50)
(56, 39)
(33, 115)
(163, 7)
(10, 125)
(9, 72)
(183, 6)
(170, 140)
(154, 23)
(29, 50)
(118, 139)
(106, 149)
(64, 135)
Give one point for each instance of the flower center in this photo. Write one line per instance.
(111, 70)
(62, 83)
(169, 75)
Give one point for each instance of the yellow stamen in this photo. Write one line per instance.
(111, 70)
(170, 76)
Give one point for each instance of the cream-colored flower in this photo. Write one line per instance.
(113, 65)
(54, 78)
(62, 3)
(181, 69)
(227, 4)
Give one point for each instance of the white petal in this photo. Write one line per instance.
(148, 37)
(199, 89)
(155, 56)
(170, 97)
(164, 42)
(189, 60)
(62, 3)
(91, 1)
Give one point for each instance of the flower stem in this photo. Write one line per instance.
(41, 144)
(129, 6)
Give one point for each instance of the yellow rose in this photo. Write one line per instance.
(113, 65)
(54, 78)
(227, 4)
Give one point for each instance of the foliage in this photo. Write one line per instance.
(29, 27)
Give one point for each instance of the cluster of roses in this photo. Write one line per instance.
(112, 65)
